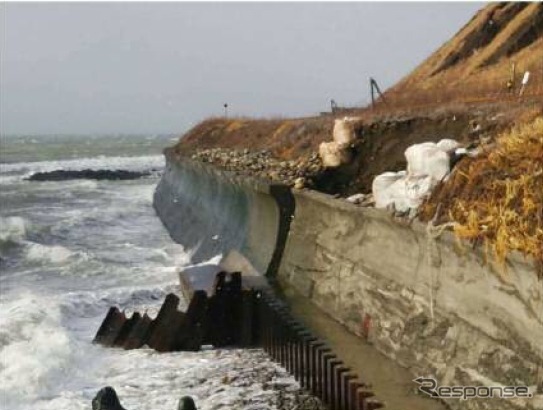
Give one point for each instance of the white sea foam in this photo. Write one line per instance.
(91, 245)
(47, 362)
(55, 254)
(12, 229)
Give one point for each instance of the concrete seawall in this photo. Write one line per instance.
(211, 212)
(431, 304)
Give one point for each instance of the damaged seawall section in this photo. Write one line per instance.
(211, 212)
(431, 304)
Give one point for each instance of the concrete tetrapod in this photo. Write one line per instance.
(106, 399)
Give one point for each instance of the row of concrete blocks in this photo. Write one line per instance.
(223, 319)
(310, 360)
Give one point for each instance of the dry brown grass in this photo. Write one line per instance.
(285, 138)
(497, 198)
(475, 65)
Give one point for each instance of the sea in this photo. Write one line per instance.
(71, 249)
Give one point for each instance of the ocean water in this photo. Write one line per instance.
(71, 249)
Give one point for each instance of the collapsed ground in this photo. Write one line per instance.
(286, 151)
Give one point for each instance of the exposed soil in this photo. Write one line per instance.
(290, 146)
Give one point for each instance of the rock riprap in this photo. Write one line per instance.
(297, 173)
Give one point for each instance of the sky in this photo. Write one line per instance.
(95, 68)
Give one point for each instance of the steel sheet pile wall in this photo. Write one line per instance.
(309, 359)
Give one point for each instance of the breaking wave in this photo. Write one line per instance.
(12, 229)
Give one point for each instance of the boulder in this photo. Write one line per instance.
(299, 183)
(106, 399)
(356, 198)
(186, 403)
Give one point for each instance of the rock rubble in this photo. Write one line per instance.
(298, 173)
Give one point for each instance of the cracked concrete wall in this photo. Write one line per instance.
(432, 305)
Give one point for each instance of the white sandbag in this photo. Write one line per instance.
(417, 189)
(427, 159)
(332, 155)
(448, 145)
(382, 195)
(403, 192)
(343, 133)
(397, 194)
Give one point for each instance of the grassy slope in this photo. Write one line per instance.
(497, 198)
(475, 64)
(285, 138)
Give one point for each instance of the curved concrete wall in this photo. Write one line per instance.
(212, 212)
(433, 306)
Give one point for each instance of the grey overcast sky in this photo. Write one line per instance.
(161, 67)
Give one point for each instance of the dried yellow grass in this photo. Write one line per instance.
(234, 125)
(499, 197)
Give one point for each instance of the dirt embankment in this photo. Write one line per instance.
(475, 78)
(285, 150)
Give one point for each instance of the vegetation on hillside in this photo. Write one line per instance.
(497, 198)
(484, 62)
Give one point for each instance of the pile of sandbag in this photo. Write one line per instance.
(337, 152)
(427, 164)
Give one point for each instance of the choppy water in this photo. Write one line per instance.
(71, 249)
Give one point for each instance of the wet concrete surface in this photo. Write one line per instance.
(391, 383)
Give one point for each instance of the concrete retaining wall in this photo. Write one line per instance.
(433, 306)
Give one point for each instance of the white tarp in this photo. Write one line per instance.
(404, 192)
(381, 188)
(448, 145)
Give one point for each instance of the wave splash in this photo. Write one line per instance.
(35, 349)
